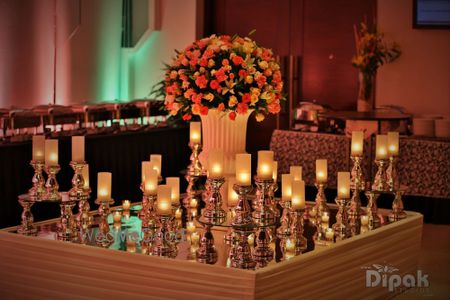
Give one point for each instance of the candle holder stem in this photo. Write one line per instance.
(341, 227)
(262, 253)
(207, 253)
(51, 186)
(104, 238)
(242, 256)
(38, 190)
(284, 231)
(26, 226)
(380, 181)
(391, 175)
(67, 229)
(242, 217)
(297, 231)
(372, 210)
(397, 208)
(79, 193)
(264, 215)
(163, 245)
(321, 202)
(195, 168)
(213, 212)
(147, 213)
(357, 177)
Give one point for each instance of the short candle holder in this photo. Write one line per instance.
(51, 186)
(321, 206)
(242, 256)
(147, 213)
(300, 242)
(242, 216)
(213, 212)
(284, 230)
(26, 226)
(391, 175)
(354, 208)
(193, 174)
(79, 193)
(357, 177)
(397, 208)
(372, 210)
(262, 253)
(341, 227)
(162, 246)
(264, 214)
(380, 181)
(207, 253)
(104, 238)
(38, 189)
(67, 227)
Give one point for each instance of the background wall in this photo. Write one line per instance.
(420, 79)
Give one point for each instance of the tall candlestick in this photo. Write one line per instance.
(243, 168)
(343, 189)
(150, 179)
(195, 135)
(164, 206)
(51, 152)
(298, 194)
(286, 187)
(357, 143)
(381, 146)
(78, 149)
(215, 163)
(174, 183)
(104, 186)
(392, 140)
(156, 160)
(232, 199)
(321, 170)
(265, 165)
(38, 147)
(296, 172)
(85, 174)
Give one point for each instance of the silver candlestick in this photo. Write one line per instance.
(297, 231)
(38, 189)
(354, 208)
(321, 206)
(26, 226)
(341, 228)
(162, 246)
(213, 212)
(51, 186)
(372, 210)
(194, 173)
(79, 193)
(104, 238)
(262, 253)
(284, 230)
(242, 256)
(391, 175)
(207, 253)
(380, 181)
(357, 176)
(264, 215)
(67, 228)
(147, 214)
(397, 208)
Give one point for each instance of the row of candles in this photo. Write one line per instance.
(386, 144)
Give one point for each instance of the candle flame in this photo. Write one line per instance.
(53, 157)
(103, 192)
(195, 135)
(193, 203)
(392, 148)
(264, 168)
(216, 168)
(320, 174)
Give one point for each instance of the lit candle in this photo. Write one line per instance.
(178, 214)
(381, 147)
(117, 217)
(156, 160)
(174, 183)
(343, 185)
(190, 227)
(164, 206)
(243, 168)
(275, 171)
(215, 163)
(286, 187)
(392, 139)
(313, 212)
(329, 234)
(296, 172)
(364, 220)
(195, 132)
(298, 194)
(150, 179)
(232, 195)
(195, 238)
(357, 143)
(325, 217)
(193, 203)
(126, 204)
(78, 148)
(290, 245)
(321, 170)
(104, 186)
(85, 174)
(265, 165)
(51, 152)
(38, 147)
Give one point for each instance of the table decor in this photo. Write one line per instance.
(391, 171)
(67, 226)
(51, 168)
(398, 212)
(213, 211)
(26, 226)
(298, 208)
(357, 147)
(372, 209)
(222, 79)
(284, 230)
(264, 213)
(321, 206)
(104, 238)
(381, 154)
(37, 162)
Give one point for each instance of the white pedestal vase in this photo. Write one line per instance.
(219, 132)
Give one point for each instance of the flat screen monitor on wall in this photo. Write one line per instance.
(431, 14)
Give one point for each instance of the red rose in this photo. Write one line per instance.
(242, 108)
(232, 115)
(242, 73)
(204, 110)
(187, 117)
(221, 107)
(201, 81)
(246, 98)
(237, 60)
(214, 84)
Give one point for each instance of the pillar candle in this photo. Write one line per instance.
(85, 174)
(215, 163)
(296, 172)
(144, 166)
(275, 171)
(381, 147)
(392, 140)
(195, 135)
(265, 165)
(343, 183)
(357, 143)
(190, 227)
(174, 183)
(104, 186)
(126, 204)
(243, 168)
(150, 179)
(38, 147)
(78, 148)
(286, 187)
(156, 160)
(298, 194)
(321, 170)
(51, 152)
(232, 198)
(164, 206)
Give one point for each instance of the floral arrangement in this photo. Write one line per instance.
(230, 74)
